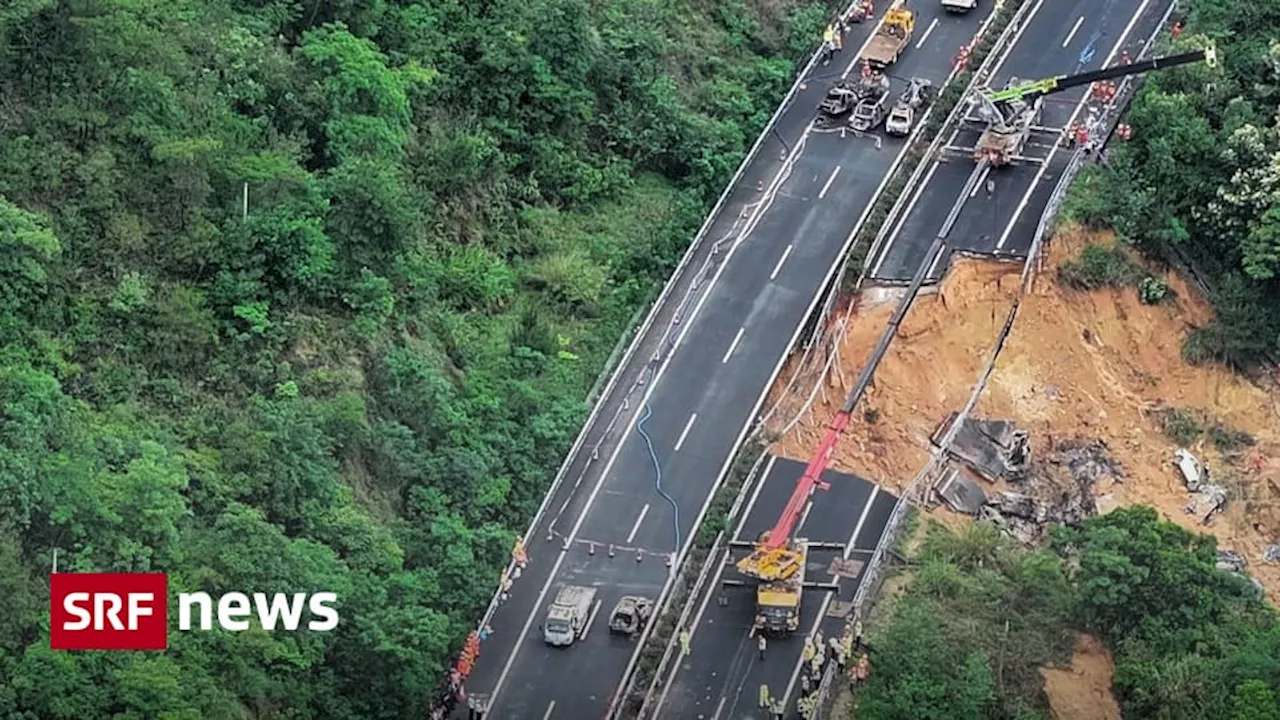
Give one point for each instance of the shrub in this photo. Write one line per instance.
(1152, 290)
(1099, 266)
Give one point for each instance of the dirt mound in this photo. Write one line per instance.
(1078, 365)
(1101, 364)
(1083, 690)
(928, 371)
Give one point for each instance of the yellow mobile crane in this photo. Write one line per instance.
(777, 560)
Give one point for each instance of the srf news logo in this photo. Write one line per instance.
(119, 611)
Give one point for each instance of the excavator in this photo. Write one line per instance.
(1008, 116)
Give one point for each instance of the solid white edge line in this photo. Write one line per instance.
(746, 427)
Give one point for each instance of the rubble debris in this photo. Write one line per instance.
(1020, 506)
(961, 493)
(1272, 553)
(1208, 501)
(994, 449)
(1089, 462)
(1193, 474)
(1231, 561)
(1058, 490)
(1021, 529)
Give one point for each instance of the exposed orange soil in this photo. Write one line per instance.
(1082, 691)
(1078, 364)
(929, 369)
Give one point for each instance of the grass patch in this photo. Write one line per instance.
(1185, 426)
(1100, 266)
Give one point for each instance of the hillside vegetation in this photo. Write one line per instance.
(1198, 185)
(303, 296)
(980, 616)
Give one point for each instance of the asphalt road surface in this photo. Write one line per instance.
(727, 350)
(721, 676)
(1063, 37)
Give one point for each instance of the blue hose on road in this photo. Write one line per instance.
(657, 469)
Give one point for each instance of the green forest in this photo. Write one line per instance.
(311, 296)
(981, 615)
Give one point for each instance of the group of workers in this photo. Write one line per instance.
(815, 657)
(833, 35)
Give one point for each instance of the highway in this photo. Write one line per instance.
(727, 686)
(783, 234)
(721, 676)
(1062, 37)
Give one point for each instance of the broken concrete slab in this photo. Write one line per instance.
(1209, 500)
(840, 609)
(961, 493)
(994, 449)
(1020, 506)
(1271, 554)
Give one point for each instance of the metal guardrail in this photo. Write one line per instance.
(616, 371)
(920, 484)
(832, 292)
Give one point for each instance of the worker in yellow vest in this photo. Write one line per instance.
(828, 43)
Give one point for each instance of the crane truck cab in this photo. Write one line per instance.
(568, 615)
(778, 598)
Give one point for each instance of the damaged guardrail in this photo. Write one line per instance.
(919, 486)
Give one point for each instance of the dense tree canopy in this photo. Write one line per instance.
(980, 616)
(1199, 183)
(308, 295)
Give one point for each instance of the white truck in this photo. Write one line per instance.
(959, 6)
(567, 617)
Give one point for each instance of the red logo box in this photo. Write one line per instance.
(109, 611)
